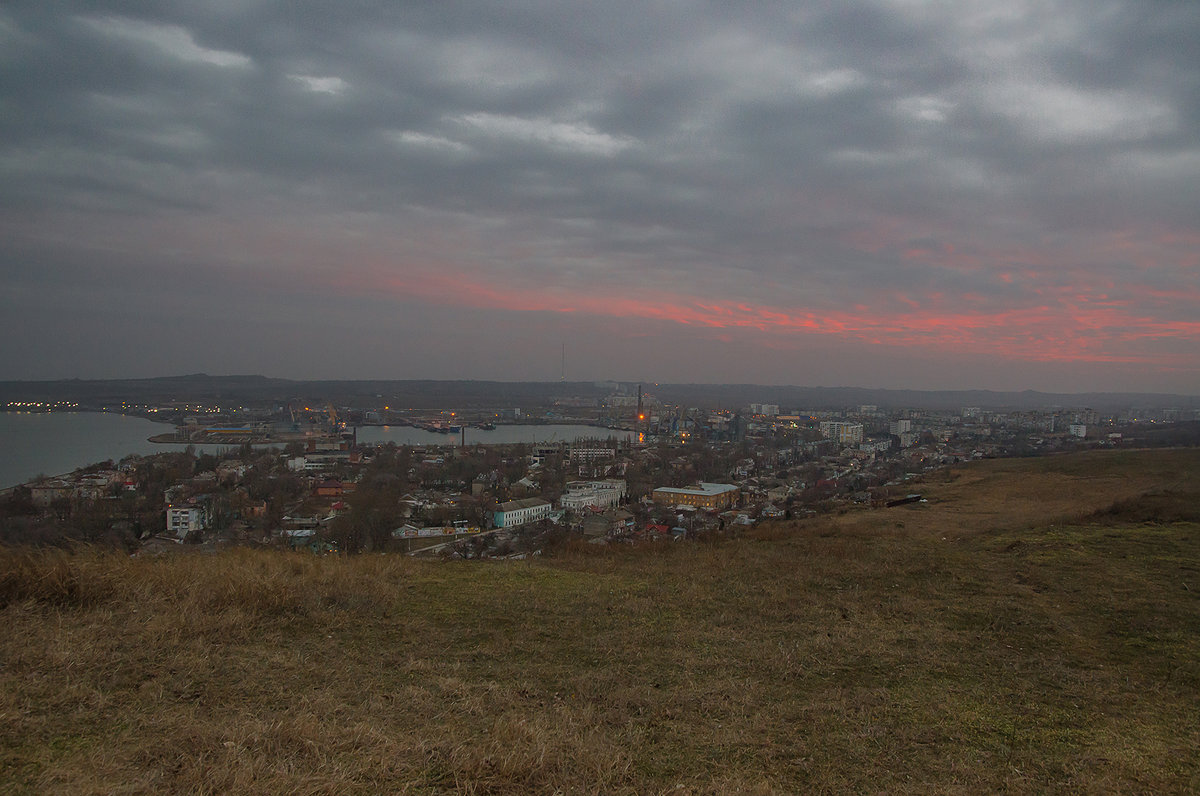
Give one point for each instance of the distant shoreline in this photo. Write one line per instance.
(469, 395)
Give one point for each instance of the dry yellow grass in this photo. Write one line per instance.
(1002, 637)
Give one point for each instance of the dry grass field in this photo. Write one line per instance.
(1034, 627)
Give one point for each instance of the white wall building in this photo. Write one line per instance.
(590, 454)
(593, 494)
(520, 512)
(182, 520)
(307, 464)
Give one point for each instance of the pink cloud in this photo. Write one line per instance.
(1047, 312)
(1068, 325)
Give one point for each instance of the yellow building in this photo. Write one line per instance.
(703, 495)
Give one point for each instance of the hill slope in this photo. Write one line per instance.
(1035, 627)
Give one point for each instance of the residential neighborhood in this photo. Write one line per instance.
(668, 472)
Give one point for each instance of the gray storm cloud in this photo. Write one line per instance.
(301, 176)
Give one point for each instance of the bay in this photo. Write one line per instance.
(55, 443)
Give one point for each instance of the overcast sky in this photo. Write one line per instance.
(884, 193)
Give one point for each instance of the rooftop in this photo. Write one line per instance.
(703, 488)
(526, 503)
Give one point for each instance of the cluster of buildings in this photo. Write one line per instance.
(80, 485)
(597, 497)
(693, 470)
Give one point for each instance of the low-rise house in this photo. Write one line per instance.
(173, 494)
(483, 482)
(255, 508)
(90, 487)
(778, 493)
(875, 445)
(47, 492)
(610, 522)
(291, 523)
(331, 487)
(300, 537)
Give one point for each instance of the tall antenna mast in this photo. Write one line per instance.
(563, 373)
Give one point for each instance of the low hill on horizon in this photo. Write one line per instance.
(1033, 627)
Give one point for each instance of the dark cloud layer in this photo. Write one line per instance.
(945, 194)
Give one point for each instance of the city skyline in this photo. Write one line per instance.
(879, 194)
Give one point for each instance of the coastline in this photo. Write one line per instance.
(60, 441)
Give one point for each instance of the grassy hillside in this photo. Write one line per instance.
(1034, 628)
